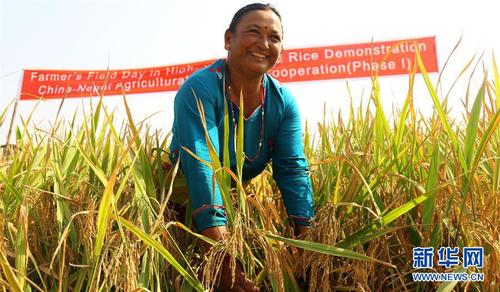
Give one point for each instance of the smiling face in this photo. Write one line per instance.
(255, 44)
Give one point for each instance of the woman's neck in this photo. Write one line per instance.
(249, 86)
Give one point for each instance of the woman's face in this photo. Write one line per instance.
(255, 45)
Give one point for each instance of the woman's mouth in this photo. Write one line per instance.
(258, 56)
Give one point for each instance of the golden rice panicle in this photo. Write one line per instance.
(231, 247)
(317, 268)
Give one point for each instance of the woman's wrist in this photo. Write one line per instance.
(300, 230)
(216, 233)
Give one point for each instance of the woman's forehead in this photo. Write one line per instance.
(266, 19)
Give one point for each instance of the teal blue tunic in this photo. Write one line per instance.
(282, 144)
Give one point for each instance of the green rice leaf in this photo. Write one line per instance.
(472, 125)
(9, 274)
(100, 174)
(8, 184)
(4, 112)
(216, 166)
(327, 249)
(131, 123)
(496, 174)
(226, 159)
(240, 155)
(103, 216)
(192, 280)
(374, 225)
(496, 77)
(22, 245)
(432, 181)
(440, 111)
(185, 228)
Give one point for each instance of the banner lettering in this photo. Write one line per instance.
(303, 64)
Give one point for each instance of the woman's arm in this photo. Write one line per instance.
(290, 168)
(188, 131)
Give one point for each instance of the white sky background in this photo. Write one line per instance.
(91, 35)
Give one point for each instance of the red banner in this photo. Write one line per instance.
(306, 64)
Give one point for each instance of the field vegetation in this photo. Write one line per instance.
(88, 207)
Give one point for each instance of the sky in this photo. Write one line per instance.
(91, 35)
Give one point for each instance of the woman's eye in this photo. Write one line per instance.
(276, 39)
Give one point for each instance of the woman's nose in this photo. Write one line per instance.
(263, 42)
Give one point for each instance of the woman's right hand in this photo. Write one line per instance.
(241, 282)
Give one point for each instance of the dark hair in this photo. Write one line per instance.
(249, 8)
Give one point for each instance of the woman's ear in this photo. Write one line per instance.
(280, 57)
(228, 35)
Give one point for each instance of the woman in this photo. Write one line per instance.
(272, 124)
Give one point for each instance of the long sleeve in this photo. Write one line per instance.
(290, 168)
(188, 131)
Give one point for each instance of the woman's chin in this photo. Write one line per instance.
(258, 69)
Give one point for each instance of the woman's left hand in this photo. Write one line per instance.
(300, 230)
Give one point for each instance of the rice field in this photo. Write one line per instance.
(88, 207)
